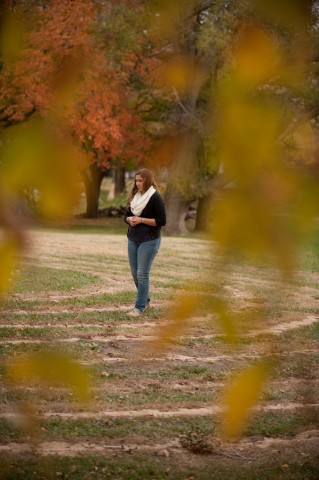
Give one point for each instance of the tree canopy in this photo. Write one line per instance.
(65, 71)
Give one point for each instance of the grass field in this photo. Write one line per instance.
(156, 415)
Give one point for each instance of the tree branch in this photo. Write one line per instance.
(201, 10)
(7, 122)
(188, 112)
(169, 47)
(166, 49)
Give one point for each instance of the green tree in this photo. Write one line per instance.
(194, 47)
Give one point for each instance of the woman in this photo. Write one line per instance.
(145, 215)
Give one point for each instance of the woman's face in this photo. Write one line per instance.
(139, 181)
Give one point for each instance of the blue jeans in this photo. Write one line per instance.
(141, 256)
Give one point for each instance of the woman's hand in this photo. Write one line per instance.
(133, 221)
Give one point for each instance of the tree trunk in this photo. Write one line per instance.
(92, 182)
(179, 192)
(203, 216)
(176, 209)
(119, 179)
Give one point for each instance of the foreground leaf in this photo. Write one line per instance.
(50, 368)
(241, 396)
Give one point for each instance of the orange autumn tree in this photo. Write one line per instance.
(48, 37)
(121, 28)
(36, 151)
(59, 70)
(107, 127)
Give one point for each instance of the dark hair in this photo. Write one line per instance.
(149, 181)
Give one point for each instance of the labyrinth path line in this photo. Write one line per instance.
(72, 449)
(180, 412)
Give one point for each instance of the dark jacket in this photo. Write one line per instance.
(155, 208)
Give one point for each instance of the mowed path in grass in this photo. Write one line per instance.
(73, 292)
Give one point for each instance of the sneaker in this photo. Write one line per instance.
(135, 312)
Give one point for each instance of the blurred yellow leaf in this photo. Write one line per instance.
(46, 368)
(248, 136)
(9, 251)
(60, 187)
(261, 213)
(227, 319)
(34, 158)
(12, 35)
(247, 221)
(182, 74)
(255, 56)
(178, 320)
(241, 396)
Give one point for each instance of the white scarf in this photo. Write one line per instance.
(139, 202)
